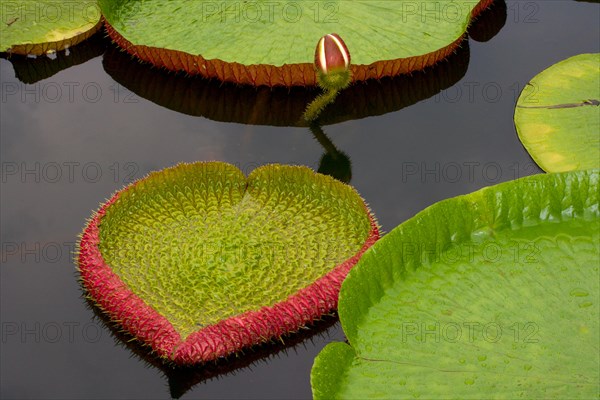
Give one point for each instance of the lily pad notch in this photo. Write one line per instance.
(269, 52)
(180, 299)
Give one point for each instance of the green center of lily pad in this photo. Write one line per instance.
(278, 33)
(200, 243)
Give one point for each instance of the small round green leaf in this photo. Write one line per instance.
(494, 294)
(558, 115)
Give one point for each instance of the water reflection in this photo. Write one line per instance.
(489, 23)
(182, 379)
(279, 106)
(31, 70)
(334, 162)
(284, 107)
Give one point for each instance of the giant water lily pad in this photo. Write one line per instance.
(558, 115)
(37, 27)
(199, 261)
(489, 295)
(272, 43)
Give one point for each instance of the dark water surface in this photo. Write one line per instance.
(70, 138)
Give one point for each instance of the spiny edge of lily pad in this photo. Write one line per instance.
(286, 75)
(229, 336)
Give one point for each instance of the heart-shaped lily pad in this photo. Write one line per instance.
(558, 115)
(36, 27)
(199, 261)
(273, 43)
(489, 295)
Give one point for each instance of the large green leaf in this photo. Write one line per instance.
(40, 26)
(558, 115)
(221, 39)
(266, 32)
(199, 261)
(488, 295)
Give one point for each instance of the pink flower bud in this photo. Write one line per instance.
(332, 54)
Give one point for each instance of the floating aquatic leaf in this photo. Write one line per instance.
(489, 295)
(558, 115)
(199, 261)
(38, 27)
(272, 43)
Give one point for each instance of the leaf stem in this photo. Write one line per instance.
(315, 108)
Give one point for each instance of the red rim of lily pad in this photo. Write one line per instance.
(285, 75)
(209, 343)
